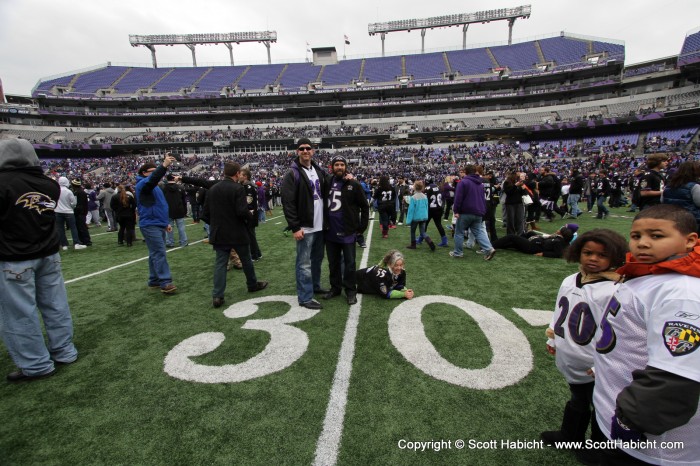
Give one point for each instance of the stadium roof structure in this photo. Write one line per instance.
(464, 19)
(192, 40)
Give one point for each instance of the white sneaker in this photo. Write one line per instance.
(65, 248)
(80, 246)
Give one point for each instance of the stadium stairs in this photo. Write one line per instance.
(196, 83)
(245, 71)
(448, 67)
(540, 54)
(116, 81)
(279, 76)
(155, 84)
(361, 76)
(492, 57)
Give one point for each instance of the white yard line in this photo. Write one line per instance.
(328, 443)
(115, 231)
(122, 265)
(134, 261)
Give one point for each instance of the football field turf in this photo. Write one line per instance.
(458, 375)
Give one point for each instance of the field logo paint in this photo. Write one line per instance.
(534, 317)
(512, 355)
(287, 344)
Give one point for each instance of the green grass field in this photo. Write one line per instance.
(171, 380)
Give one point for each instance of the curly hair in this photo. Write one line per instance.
(614, 243)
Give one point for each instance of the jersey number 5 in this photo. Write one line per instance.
(334, 201)
(607, 340)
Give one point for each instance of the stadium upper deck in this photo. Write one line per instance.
(555, 54)
(566, 83)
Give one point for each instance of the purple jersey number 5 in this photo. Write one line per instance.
(607, 340)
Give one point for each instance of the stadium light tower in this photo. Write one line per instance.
(192, 40)
(464, 19)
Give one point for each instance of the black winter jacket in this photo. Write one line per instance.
(227, 212)
(298, 195)
(175, 196)
(27, 218)
(251, 198)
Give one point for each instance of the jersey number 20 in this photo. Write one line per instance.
(581, 324)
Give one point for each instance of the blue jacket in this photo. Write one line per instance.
(683, 197)
(153, 208)
(469, 196)
(417, 208)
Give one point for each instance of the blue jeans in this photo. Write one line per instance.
(308, 266)
(158, 268)
(222, 255)
(602, 210)
(589, 201)
(421, 230)
(476, 226)
(61, 220)
(26, 286)
(572, 202)
(261, 215)
(180, 224)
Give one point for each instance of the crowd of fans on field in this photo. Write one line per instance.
(410, 162)
(366, 164)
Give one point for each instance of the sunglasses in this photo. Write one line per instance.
(304, 149)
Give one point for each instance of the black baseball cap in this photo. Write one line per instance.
(304, 142)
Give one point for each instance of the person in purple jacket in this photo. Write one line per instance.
(448, 194)
(469, 210)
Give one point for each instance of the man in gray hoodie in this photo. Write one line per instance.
(105, 198)
(65, 215)
(32, 279)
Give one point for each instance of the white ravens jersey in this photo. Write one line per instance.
(652, 320)
(575, 321)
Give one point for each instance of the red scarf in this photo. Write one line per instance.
(685, 264)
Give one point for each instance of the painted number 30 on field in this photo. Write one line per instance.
(511, 360)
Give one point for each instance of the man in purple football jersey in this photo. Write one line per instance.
(347, 215)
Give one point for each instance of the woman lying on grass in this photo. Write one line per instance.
(387, 279)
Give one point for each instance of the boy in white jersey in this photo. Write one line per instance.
(647, 368)
(582, 296)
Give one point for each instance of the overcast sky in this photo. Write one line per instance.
(43, 38)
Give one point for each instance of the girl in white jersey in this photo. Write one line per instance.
(582, 296)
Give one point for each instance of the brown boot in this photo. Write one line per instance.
(430, 243)
(412, 245)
